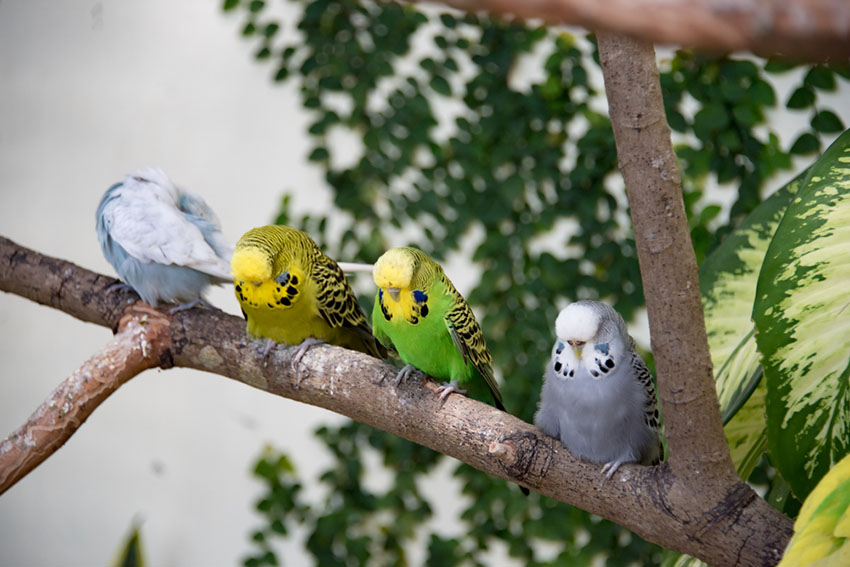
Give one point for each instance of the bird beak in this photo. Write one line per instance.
(577, 352)
(395, 293)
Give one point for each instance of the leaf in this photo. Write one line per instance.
(820, 78)
(807, 143)
(440, 85)
(319, 154)
(802, 97)
(728, 279)
(131, 553)
(676, 559)
(827, 122)
(822, 530)
(803, 325)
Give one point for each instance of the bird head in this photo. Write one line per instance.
(251, 265)
(394, 271)
(578, 324)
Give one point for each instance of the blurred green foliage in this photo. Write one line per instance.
(460, 146)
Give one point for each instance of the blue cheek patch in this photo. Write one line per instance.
(603, 348)
(380, 295)
(420, 296)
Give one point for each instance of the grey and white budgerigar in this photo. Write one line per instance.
(598, 397)
(164, 241)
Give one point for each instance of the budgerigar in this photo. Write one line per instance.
(291, 293)
(420, 314)
(165, 242)
(598, 397)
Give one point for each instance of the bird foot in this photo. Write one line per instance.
(188, 305)
(268, 345)
(299, 354)
(610, 468)
(404, 374)
(119, 285)
(447, 388)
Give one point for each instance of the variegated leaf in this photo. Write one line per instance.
(822, 529)
(728, 279)
(802, 315)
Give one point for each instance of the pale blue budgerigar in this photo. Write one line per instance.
(164, 241)
(598, 397)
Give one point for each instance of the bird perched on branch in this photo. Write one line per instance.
(164, 241)
(420, 314)
(291, 293)
(598, 397)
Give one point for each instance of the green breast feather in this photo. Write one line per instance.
(434, 330)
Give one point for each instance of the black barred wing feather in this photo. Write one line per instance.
(469, 340)
(650, 416)
(335, 298)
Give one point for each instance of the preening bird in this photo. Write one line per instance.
(291, 293)
(164, 241)
(420, 314)
(598, 397)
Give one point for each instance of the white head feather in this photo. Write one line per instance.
(578, 322)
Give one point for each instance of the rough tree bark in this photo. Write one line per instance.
(801, 29)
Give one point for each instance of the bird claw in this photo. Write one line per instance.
(610, 468)
(447, 388)
(299, 354)
(404, 374)
(187, 305)
(268, 344)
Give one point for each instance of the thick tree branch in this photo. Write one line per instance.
(724, 522)
(800, 29)
(140, 343)
(668, 265)
(697, 446)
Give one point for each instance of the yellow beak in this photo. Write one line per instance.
(577, 352)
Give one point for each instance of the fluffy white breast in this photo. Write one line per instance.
(577, 322)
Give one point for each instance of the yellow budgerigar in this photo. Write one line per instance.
(292, 293)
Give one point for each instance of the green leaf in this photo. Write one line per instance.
(803, 325)
(229, 5)
(820, 78)
(822, 529)
(802, 97)
(827, 122)
(440, 85)
(728, 279)
(319, 154)
(131, 553)
(807, 143)
(676, 559)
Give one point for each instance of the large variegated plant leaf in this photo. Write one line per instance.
(802, 315)
(822, 530)
(728, 279)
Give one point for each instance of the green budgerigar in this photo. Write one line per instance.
(420, 314)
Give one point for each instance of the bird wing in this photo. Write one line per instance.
(469, 341)
(650, 416)
(335, 298)
(147, 223)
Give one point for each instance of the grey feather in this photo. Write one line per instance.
(602, 404)
(163, 241)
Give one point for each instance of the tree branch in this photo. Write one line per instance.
(804, 29)
(139, 345)
(730, 526)
(697, 447)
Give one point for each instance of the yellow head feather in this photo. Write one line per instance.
(250, 264)
(394, 269)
